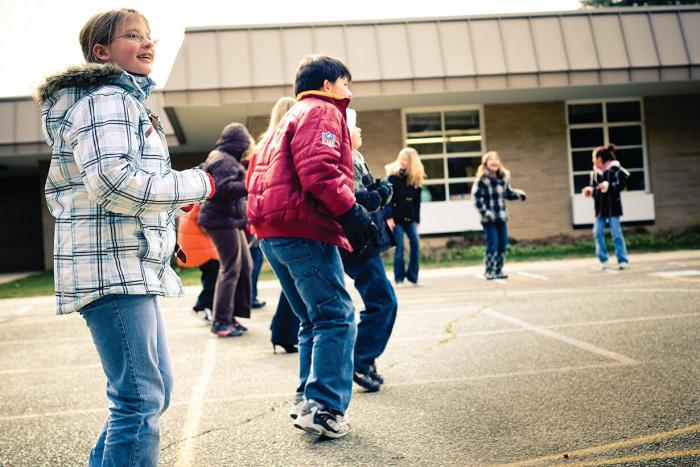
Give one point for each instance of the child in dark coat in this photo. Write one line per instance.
(490, 192)
(608, 179)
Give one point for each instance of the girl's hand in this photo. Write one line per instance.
(587, 191)
(390, 222)
(603, 186)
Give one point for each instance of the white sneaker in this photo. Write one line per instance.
(321, 422)
(416, 284)
(623, 266)
(399, 285)
(298, 406)
(604, 266)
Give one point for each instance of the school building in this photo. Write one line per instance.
(541, 89)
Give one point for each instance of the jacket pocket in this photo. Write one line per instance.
(152, 237)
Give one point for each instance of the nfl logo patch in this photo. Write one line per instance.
(328, 139)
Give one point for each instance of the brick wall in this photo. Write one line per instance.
(381, 138)
(673, 150)
(531, 140)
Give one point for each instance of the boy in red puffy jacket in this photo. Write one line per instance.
(302, 206)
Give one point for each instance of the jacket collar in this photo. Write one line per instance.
(92, 75)
(341, 102)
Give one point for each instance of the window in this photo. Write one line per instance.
(449, 142)
(592, 124)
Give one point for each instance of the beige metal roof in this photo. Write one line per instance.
(539, 50)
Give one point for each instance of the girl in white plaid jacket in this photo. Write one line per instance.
(113, 194)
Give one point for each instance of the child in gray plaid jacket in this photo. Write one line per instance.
(490, 192)
(114, 195)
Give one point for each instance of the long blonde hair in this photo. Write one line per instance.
(415, 173)
(280, 108)
(483, 170)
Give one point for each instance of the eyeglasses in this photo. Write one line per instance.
(136, 37)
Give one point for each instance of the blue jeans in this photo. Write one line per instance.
(400, 273)
(496, 237)
(601, 250)
(129, 335)
(378, 317)
(311, 275)
(257, 255)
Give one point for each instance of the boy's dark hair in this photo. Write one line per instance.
(314, 69)
(607, 153)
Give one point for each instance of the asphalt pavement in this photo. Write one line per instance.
(561, 364)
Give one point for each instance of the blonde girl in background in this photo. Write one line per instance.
(406, 175)
(490, 192)
(114, 194)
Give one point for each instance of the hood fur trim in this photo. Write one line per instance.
(90, 74)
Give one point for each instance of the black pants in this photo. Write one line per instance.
(210, 270)
(285, 324)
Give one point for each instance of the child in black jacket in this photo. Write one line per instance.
(608, 179)
(406, 176)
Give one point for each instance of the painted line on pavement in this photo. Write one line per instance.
(402, 340)
(642, 458)
(196, 405)
(648, 439)
(22, 310)
(681, 273)
(562, 338)
(512, 374)
(533, 276)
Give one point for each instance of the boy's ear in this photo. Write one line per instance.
(326, 85)
(101, 52)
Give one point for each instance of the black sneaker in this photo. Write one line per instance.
(225, 329)
(257, 304)
(239, 326)
(374, 375)
(365, 381)
(315, 420)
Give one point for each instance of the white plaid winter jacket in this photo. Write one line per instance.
(110, 187)
(490, 195)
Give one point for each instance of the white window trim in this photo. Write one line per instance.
(445, 181)
(605, 125)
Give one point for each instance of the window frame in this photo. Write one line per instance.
(606, 125)
(446, 180)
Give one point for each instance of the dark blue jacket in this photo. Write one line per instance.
(404, 207)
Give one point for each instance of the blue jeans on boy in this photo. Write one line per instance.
(311, 275)
(378, 317)
(129, 335)
(601, 250)
(414, 256)
(257, 256)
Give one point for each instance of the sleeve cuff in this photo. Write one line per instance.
(213, 186)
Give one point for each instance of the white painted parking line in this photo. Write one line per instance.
(22, 310)
(682, 273)
(533, 276)
(196, 405)
(562, 338)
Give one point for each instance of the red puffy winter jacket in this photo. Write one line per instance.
(302, 179)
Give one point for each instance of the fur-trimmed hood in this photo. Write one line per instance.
(59, 92)
(90, 76)
(608, 165)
